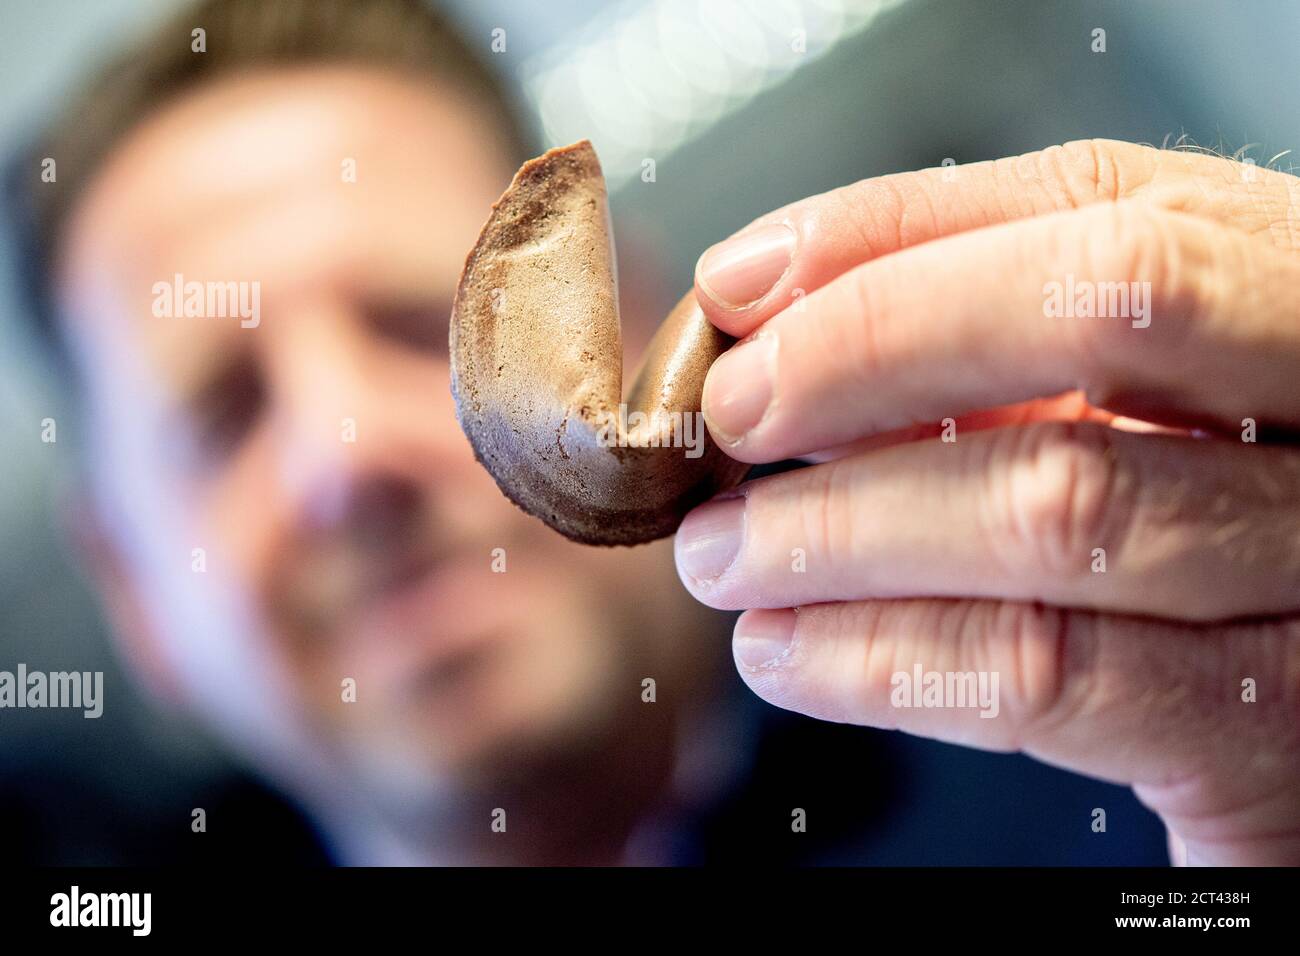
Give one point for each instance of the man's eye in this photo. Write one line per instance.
(226, 411)
(421, 325)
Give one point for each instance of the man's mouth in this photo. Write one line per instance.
(448, 673)
(438, 621)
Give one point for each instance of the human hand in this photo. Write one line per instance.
(1130, 592)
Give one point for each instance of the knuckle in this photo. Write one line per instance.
(919, 207)
(897, 211)
(1268, 647)
(863, 339)
(1054, 666)
(1132, 253)
(1091, 169)
(826, 518)
(880, 659)
(1036, 653)
(1059, 490)
(876, 209)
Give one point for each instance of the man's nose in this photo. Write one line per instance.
(354, 453)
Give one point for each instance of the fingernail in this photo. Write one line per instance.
(710, 538)
(764, 638)
(738, 388)
(741, 270)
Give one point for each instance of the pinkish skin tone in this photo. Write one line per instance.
(328, 559)
(740, 272)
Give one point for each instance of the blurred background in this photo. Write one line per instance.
(742, 106)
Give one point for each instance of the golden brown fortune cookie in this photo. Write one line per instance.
(537, 368)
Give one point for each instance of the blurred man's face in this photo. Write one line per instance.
(346, 530)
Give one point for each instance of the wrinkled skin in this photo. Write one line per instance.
(1176, 669)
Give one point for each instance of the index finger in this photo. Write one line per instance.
(786, 254)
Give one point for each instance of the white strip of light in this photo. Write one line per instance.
(639, 84)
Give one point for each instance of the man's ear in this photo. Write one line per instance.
(102, 562)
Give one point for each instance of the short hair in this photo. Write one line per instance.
(403, 36)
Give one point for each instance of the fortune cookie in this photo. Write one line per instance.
(537, 368)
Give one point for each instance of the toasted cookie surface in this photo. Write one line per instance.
(536, 368)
